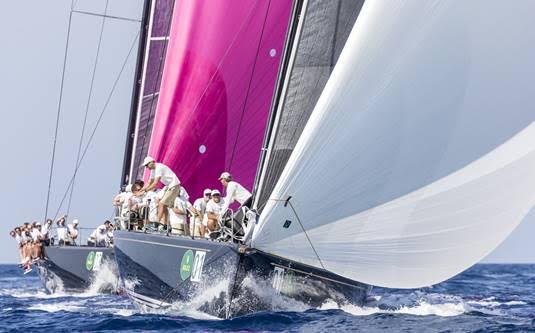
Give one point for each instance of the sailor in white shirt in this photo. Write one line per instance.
(200, 220)
(178, 216)
(72, 230)
(61, 231)
(234, 192)
(152, 199)
(36, 233)
(100, 236)
(45, 232)
(213, 209)
(162, 173)
(121, 200)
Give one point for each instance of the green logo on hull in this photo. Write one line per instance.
(186, 265)
(90, 260)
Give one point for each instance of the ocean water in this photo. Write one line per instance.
(486, 298)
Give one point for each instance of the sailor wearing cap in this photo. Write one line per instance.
(72, 230)
(213, 209)
(178, 215)
(162, 173)
(234, 192)
(101, 235)
(200, 221)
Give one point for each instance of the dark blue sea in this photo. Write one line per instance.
(486, 298)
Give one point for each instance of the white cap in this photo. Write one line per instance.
(75, 221)
(207, 191)
(214, 192)
(128, 188)
(147, 160)
(225, 175)
(38, 224)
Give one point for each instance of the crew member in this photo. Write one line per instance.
(45, 230)
(200, 220)
(72, 230)
(162, 173)
(234, 192)
(213, 209)
(61, 231)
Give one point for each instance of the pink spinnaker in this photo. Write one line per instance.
(219, 78)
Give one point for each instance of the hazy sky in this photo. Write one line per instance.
(33, 42)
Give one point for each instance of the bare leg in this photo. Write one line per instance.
(163, 213)
(211, 224)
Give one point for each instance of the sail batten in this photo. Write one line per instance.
(418, 158)
(153, 62)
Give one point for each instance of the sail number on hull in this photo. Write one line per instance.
(191, 265)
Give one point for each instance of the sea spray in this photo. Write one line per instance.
(105, 280)
(53, 283)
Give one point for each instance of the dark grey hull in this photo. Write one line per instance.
(74, 268)
(161, 270)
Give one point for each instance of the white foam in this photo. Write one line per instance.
(421, 309)
(106, 279)
(490, 303)
(58, 306)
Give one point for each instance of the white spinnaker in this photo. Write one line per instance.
(419, 158)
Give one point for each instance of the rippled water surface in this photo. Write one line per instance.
(486, 298)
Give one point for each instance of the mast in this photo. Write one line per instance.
(136, 90)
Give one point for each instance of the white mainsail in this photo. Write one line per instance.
(419, 157)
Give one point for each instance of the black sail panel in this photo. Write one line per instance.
(157, 30)
(324, 32)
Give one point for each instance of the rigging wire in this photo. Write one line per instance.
(110, 95)
(58, 115)
(89, 97)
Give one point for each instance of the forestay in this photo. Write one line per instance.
(419, 157)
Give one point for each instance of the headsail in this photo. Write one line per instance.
(155, 45)
(419, 157)
(325, 28)
(223, 60)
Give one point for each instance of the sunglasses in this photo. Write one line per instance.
(208, 195)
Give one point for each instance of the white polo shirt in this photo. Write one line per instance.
(183, 205)
(72, 230)
(235, 192)
(62, 233)
(167, 176)
(35, 234)
(214, 207)
(44, 230)
(200, 206)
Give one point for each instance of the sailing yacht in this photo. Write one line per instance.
(393, 144)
